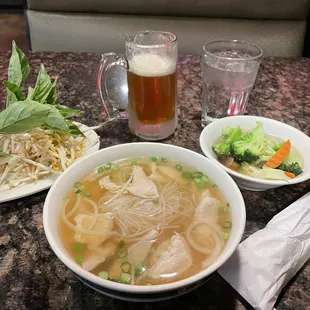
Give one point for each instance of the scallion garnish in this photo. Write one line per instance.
(86, 193)
(78, 191)
(178, 167)
(79, 259)
(164, 160)
(77, 246)
(123, 252)
(103, 275)
(228, 205)
(115, 168)
(205, 178)
(120, 244)
(100, 169)
(77, 184)
(214, 185)
(125, 266)
(226, 235)
(227, 224)
(197, 174)
(187, 175)
(139, 268)
(126, 277)
(153, 158)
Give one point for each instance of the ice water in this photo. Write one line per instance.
(227, 85)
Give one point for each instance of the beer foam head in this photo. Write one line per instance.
(149, 65)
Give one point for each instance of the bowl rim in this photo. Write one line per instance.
(221, 122)
(134, 289)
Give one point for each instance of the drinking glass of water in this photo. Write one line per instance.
(229, 72)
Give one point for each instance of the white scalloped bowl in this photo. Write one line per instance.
(64, 183)
(300, 141)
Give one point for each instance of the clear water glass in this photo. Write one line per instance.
(229, 72)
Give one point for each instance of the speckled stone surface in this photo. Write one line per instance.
(31, 276)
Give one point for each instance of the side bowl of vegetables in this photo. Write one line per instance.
(259, 153)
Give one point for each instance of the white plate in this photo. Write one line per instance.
(32, 188)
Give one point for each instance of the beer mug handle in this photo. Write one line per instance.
(109, 60)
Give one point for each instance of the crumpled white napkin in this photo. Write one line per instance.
(264, 263)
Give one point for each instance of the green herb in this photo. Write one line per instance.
(74, 130)
(125, 266)
(67, 112)
(56, 121)
(78, 191)
(126, 277)
(139, 268)
(153, 158)
(100, 169)
(120, 244)
(134, 163)
(77, 184)
(79, 259)
(18, 67)
(164, 160)
(78, 247)
(226, 235)
(200, 184)
(187, 175)
(115, 168)
(14, 92)
(115, 280)
(228, 205)
(214, 185)
(227, 224)
(197, 174)
(205, 178)
(103, 275)
(86, 193)
(107, 166)
(178, 167)
(123, 252)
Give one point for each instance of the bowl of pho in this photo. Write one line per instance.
(144, 221)
(259, 153)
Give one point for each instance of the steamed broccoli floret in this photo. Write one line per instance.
(227, 131)
(223, 148)
(249, 147)
(293, 167)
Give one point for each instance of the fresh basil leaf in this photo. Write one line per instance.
(30, 93)
(44, 87)
(75, 130)
(18, 66)
(14, 93)
(52, 96)
(22, 116)
(56, 121)
(67, 112)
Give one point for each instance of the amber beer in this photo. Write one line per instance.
(152, 94)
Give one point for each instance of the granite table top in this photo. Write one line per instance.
(32, 277)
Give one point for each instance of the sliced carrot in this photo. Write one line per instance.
(290, 174)
(278, 157)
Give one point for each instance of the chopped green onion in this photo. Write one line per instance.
(100, 169)
(123, 252)
(227, 224)
(120, 244)
(134, 163)
(226, 235)
(205, 178)
(115, 168)
(107, 166)
(214, 185)
(77, 184)
(187, 175)
(153, 158)
(228, 205)
(178, 167)
(199, 183)
(78, 191)
(139, 268)
(86, 193)
(197, 174)
(115, 280)
(79, 259)
(78, 246)
(125, 266)
(164, 160)
(126, 277)
(223, 209)
(103, 275)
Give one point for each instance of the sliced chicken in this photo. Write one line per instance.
(136, 253)
(175, 260)
(109, 185)
(207, 209)
(97, 255)
(103, 225)
(141, 185)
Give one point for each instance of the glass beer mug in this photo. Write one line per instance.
(150, 61)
